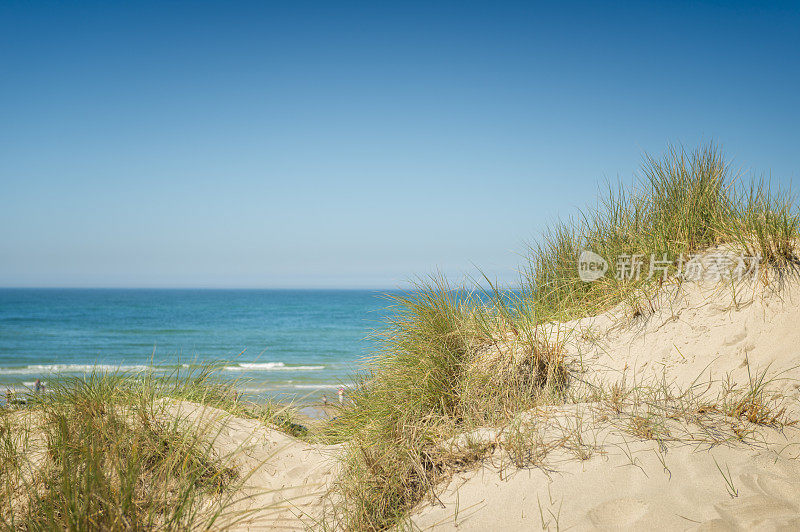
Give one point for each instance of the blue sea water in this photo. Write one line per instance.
(279, 344)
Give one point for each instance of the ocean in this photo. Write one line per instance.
(277, 344)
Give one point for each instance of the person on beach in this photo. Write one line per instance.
(37, 387)
(9, 397)
(341, 394)
(324, 400)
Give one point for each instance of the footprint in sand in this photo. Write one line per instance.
(759, 512)
(735, 338)
(776, 508)
(617, 513)
(775, 487)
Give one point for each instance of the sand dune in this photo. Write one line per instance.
(620, 482)
(661, 458)
(693, 472)
(285, 479)
(679, 415)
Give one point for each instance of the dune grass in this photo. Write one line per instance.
(100, 452)
(454, 359)
(425, 387)
(683, 204)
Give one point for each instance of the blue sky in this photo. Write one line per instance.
(342, 144)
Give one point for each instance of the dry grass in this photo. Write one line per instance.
(103, 453)
(456, 360)
(430, 383)
(452, 361)
(680, 205)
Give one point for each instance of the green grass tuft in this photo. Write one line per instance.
(428, 385)
(680, 205)
(453, 360)
(102, 453)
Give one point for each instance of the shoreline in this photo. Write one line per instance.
(309, 407)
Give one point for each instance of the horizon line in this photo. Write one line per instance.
(159, 287)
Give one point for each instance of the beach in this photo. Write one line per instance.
(616, 388)
(399, 266)
(663, 452)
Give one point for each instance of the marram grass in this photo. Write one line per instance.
(102, 452)
(426, 385)
(100, 455)
(682, 204)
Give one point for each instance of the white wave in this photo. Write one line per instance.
(270, 366)
(34, 369)
(317, 386)
(37, 369)
(247, 389)
(15, 389)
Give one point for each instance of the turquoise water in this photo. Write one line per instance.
(277, 343)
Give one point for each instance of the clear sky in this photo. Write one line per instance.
(342, 144)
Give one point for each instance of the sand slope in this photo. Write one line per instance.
(599, 474)
(285, 479)
(281, 484)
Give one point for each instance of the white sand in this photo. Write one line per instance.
(285, 479)
(627, 482)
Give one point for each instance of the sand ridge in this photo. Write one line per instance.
(709, 475)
